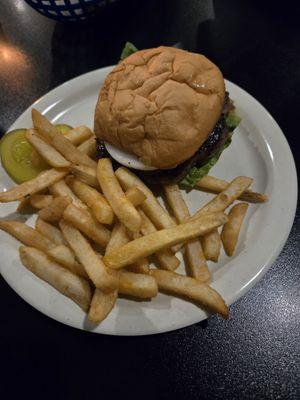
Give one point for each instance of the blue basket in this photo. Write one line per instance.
(68, 10)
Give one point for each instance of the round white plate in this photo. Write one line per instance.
(259, 150)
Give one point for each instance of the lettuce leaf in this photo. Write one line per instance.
(129, 49)
(232, 120)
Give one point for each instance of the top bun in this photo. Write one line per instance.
(160, 104)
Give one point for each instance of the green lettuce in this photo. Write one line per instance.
(232, 120)
(129, 49)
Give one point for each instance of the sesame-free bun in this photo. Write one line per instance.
(160, 104)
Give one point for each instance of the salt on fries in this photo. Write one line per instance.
(119, 213)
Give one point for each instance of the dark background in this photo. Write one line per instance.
(255, 354)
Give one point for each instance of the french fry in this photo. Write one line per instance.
(165, 258)
(118, 238)
(196, 263)
(49, 231)
(150, 244)
(56, 208)
(67, 283)
(137, 285)
(211, 244)
(87, 224)
(65, 256)
(226, 197)
(25, 207)
(215, 185)
(60, 188)
(42, 181)
(78, 135)
(135, 196)
(86, 175)
(46, 151)
(118, 201)
(100, 208)
(151, 207)
(88, 147)
(191, 288)
(101, 305)
(59, 141)
(102, 278)
(40, 200)
(231, 229)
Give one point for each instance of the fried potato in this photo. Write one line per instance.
(55, 210)
(88, 147)
(86, 175)
(25, 207)
(191, 288)
(137, 285)
(150, 244)
(102, 277)
(165, 258)
(97, 203)
(135, 196)
(101, 305)
(40, 200)
(226, 197)
(196, 262)
(46, 151)
(87, 224)
(113, 192)
(65, 256)
(211, 244)
(49, 231)
(59, 141)
(231, 229)
(60, 188)
(215, 185)
(78, 135)
(151, 207)
(42, 181)
(67, 283)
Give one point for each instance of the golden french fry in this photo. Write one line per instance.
(102, 277)
(25, 207)
(135, 196)
(56, 208)
(151, 207)
(87, 224)
(231, 229)
(114, 194)
(150, 244)
(67, 283)
(51, 134)
(211, 244)
(165, 258)
(46, 151)
(137, 285)
(42, 181)
(86, 174)
(60, 188)
(100, 208)
(139, 267)
(215, 185)
(199, 292)
(196, 262)
(40, 200)
(49, 231)
(88, 147)
(226, 197)
(101, 305)
(78, 134)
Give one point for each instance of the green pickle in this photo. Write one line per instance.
(63, 128)
(18, 157)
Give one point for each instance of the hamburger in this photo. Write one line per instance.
(169, 108)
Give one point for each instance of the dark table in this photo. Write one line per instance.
(255, 354)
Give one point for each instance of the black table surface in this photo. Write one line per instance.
(255, 354)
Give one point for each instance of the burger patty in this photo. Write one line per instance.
(216, 139)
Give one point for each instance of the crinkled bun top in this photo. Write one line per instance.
(160, 104)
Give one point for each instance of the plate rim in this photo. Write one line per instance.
(246, 287)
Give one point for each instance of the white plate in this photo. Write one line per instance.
(259, 150)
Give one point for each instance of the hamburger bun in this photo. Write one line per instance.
(160, 104)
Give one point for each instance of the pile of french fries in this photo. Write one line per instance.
(98, 230)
